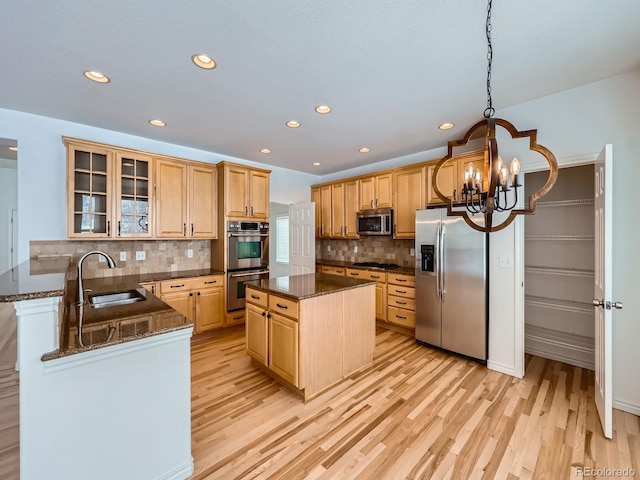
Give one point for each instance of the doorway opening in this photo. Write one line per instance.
(559, 268)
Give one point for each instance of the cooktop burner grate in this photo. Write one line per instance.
(384, 266)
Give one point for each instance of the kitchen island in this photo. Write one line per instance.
(310, 331)
(104, 391)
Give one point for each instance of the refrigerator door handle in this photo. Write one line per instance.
(437, 262)
(443, 287)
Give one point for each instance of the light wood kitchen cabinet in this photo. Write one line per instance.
(376, 191)
(336, 209)
(283, 347)
(151, 287)
(401, 299)
(326, 227)
(408, 196)
(257, 332)
(200, 299)
(381, 288)
(246, 191)
(109, 192)
(339, 271)
(351, 209)
(186, 200)
(451, 176)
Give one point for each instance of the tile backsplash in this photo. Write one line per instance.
(370, 249)
(161, 256)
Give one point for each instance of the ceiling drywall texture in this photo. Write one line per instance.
(392, 70)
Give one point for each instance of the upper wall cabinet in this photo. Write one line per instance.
(336, 209)
(408, 196)
(376, 191)
(451, 176)
(186, 199)
(246, 191)
(115, 192)
(108, 192)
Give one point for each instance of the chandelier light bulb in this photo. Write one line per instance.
(515, 166)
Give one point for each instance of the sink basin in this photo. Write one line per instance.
(101, 300)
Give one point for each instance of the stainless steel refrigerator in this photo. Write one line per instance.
(451, 284)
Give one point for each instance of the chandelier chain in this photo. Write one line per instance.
(489, 111)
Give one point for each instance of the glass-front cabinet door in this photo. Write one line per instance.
(133, 195)
(89, 179)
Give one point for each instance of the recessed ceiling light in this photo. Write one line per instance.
(13, 149)
(323, 109)
(316, 164)
(157, 123)
(96, 76)
(265, 150)
(446, 126)
(204, 61)
(364, 150)
(293, 124)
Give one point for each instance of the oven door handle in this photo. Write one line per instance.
(236, 275)
(248, 234)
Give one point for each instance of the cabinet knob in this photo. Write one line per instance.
(264, 314)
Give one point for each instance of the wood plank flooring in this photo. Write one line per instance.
(415, 413)
(9, 412)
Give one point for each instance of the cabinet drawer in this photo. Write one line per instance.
(334, 270)
(399, 316)
(402, 302)
(400, 279)
(367, 275)
(258, 298)
(210, 281)
(405, 292)
(284, 306)
(178, 285)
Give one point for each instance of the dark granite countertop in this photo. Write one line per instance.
(99, 327)
(299, 287)
(338, 263)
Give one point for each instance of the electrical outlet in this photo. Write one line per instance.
(141, 255)
(413, 252)
(123, 256)
(355, 249)
(189, 253)
(328, 248)
(101, 259)
(506, 262)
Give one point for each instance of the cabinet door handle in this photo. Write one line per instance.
(245, 210)
(401, 317)
(375, 276)
(400, 279)
(255, 297)
(400, 303)
(252, 210)
(282, 306)
(401, 291)
(371, 203)
(108, 228)
(192, 229)
(210, 282)
(354, 274)
(119, 230)
(346, 230)
(184, 229)
(395, 229)
(376, 202)
(454, 194)
(176, 286)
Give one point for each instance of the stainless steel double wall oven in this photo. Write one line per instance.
(248, 258)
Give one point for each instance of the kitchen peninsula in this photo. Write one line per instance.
(310, 331)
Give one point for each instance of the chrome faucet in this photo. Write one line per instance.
(110, 264)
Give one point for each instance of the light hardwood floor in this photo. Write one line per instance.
(9, 413)
(415, 413)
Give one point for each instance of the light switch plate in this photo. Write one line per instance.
(413, 252)
(189, 253)
(123, 256)
(141, 255)
(355, 249)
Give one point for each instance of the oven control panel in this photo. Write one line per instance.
(247, 227)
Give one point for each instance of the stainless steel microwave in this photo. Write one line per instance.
(375, 222)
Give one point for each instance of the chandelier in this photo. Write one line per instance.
(488, 190)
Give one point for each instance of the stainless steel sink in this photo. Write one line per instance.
(101, 300)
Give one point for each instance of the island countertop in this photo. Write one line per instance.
(299, 287)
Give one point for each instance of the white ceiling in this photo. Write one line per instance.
(392, 70)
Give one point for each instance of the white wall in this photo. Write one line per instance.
(8, 201)
(42, 170)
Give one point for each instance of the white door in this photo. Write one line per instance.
(602, 292)
(302, 240)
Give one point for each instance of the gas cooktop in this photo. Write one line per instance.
(383, 266)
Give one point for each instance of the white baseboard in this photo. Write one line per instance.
(625, 406)
(181, 472)
(502, 368)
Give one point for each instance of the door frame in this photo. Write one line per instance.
(531, 167)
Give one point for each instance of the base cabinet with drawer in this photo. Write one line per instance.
(381, 288)
(312, 343)
(200, 299)
(401, 300)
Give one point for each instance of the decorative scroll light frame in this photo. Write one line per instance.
(484, 197)
(491, 174)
